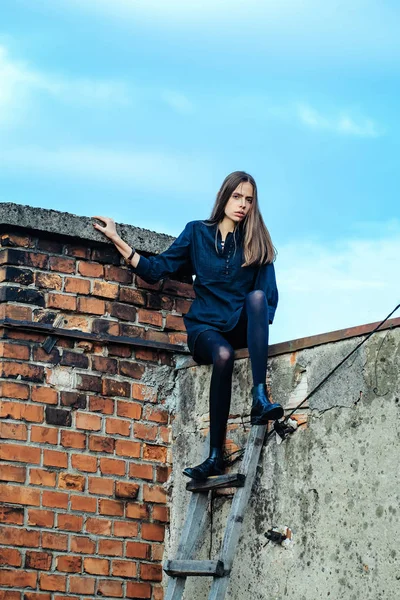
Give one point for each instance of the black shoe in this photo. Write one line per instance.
(213, 465)
(263, 410)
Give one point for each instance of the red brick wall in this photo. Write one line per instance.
(84, 442)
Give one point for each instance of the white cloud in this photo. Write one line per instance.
(342, 123)
(177, 102)
(347, 283)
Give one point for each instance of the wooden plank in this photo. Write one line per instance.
(198, 568)
(238, 508)
(217, 482)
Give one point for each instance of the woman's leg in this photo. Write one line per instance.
(256, 307)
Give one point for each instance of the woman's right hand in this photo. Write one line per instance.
(109, 229)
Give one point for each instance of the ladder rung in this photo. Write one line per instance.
(187, 568)
(218, 482)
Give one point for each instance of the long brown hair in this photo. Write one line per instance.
(257, 245)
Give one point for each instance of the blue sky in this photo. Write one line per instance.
(137, 109)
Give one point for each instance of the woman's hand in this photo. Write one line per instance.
(109, 229)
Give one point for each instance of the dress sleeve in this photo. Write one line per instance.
(266, 281)
(154, 268)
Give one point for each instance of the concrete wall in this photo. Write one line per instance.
(334, 483)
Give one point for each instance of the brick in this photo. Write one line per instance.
(58, 416)
(81, 585)
(9, 595)
(101, 486)
(83, 504)
(82, 545)
(19, 411)
(129, 409)
(124, 312)
(143, 392)
(131, 331)
(118, 426)
(125, 529)
(42, 477)
(61, 301)
(111, 507)
(151, 572)
(12, 473)
(158, 593)
(155, 453)
(14, 350)
(141, 283)
(10, 557)
(157, 552)
(69, 564)
(23, 295)
(12, 452)
(178, 288)
(26, 579)
(17, 391)
(71, 482)
(90, 305)
(150, 317)
(106, 254)
(162, 473)
(40, 518)
(165, 434)
(69, 522)
(52, 583)
(109, 588)
(49, 281)
(105, 365)
(76, 285)
(13, 431)
(19, 313)
(132, 296)
(157, 302)
(54, 499)
(110, 548)
(123, 568)
(182, 306)
(77, 251)
(160, 513)
(137, 550)
(77, 322)
(62, 265)
(103, 405)
(105, 326)
(37, 596)
(179, 339)
(105, 290)
(51, 358)
(49, 246)
(44, 435)
(96, 566)
(99, 443)
(54, 458)
(12, 239)
(73, 399)
(43, 394)
(126, 490)
(38, 560)
(73, 439)
(15, 536)
(121, 275)
(135, 510)
(127, 448)
(88, 422)
(54, 541)
(89, 383)
(74, 359)
(90, 269)
(98, 526)
(110, 466)
(140, 471)
(142, 431)
(119, 350)
(131, 369)
(138, 590)
(153, 532)
(12, 514)
(153, 335)
(156, 414)
(154, 494)
(20, 370)
(113, 387)
(84, 462)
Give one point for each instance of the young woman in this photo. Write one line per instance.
(231, 255)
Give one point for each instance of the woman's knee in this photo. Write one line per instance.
(224, 357)
(256, 298)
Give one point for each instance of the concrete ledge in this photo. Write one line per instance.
(306, 342)
(73, 226)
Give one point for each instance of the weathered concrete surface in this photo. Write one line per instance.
(68, 224)
(336, 484)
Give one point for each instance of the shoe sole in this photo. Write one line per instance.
(273, 415)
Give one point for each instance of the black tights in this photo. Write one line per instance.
(218, 348)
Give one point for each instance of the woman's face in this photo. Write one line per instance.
(240, 202)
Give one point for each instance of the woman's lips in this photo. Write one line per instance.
(239, 214)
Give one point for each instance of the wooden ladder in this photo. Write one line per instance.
(184, 566)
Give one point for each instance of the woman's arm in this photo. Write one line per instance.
(154, 268)
(266, 281)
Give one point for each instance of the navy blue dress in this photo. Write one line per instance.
(221, 283)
